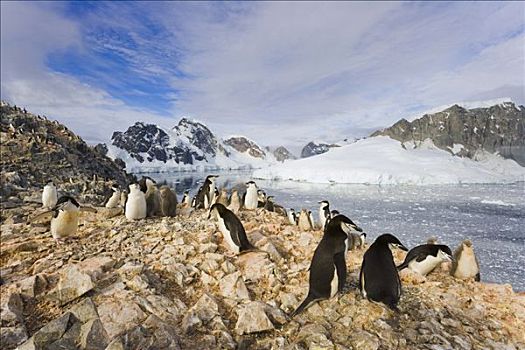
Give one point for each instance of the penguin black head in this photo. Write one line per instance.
(115, 188)
(187, 192)
(334, 213)
(447, 252)
(390, 240)
(270, 198)
(64, 200)
(249, 183)
(216, 209)
(324, 203)
(49, 182)
(344, 223)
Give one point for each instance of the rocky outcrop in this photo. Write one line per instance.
(313, 149)
(172, 283)
(464, 132)
(282, 154)
(242, 144)
(35, 150)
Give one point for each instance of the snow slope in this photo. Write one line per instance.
(382, 160)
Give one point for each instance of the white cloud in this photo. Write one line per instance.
(281, 73)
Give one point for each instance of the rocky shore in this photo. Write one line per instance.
(171, 283)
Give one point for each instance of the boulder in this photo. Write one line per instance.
(252, 319)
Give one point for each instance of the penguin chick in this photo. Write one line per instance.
(328, 266)
(152, 197)
(231, 228)
(235, 201)
(378, 278)
(261, 199)
(465, 263)
(426, 257)
(304, 221)
(222, 198)
(136, 204)
(114, 200)
(123, 198)
(269, 205)
(168, 201)
(49, 195)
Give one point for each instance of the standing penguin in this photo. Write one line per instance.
(304, 221)
(324, 213)
(269, 205)
(231, 228)
(328, 266)
(250, 197)
(426, 257)
(292, 217)
(149, 187)
(168, 201)
(65, 214)
(206, 194)
(114, 200)
(222, 197)
(378, 279)
(465, 264)
(235, 201)
(311, 219)
(186, 201)
(49, 195)
(136, 204)
(261, 198)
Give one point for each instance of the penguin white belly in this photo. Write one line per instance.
(65, 224)
(136, 208)
(250, 201)
(363, 288)
(49, 197)
(113, 200)
(347, 243)
(467, 266)
(426, 266)
(322, 218)
(206, 203)
(334, 285)
(227, 236)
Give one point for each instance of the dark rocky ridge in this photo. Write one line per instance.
(499, 128)
(313, 149)
(35, 149)
(282, 154)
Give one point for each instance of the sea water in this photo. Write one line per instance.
(491, 215)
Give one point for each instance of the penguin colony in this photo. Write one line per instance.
(378, 278)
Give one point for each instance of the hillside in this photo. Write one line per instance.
(496, 129)
(35, 150)
(188, 146)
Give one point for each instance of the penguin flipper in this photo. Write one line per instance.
(340, 270)
(306, 302)
(41, 216)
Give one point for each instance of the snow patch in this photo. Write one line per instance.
(382, 160)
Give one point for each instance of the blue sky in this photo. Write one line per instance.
(280, 73)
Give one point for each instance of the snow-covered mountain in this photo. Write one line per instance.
(456, 145)
(188, 146)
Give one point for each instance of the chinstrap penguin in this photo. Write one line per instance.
(328, 266)
(250, 197)
(231, 228)
(378, 278)
(426, 257)
(114, 200)
(324, 213)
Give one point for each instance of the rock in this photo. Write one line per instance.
(84, 310)
(10, 337)
(409, 276)
(252, 319)
(232, 286)
(73, 283)
(118, 315)
(255, 266)
(116, 344)
(93, 335)
(50, 333)
(165, 336)
(33, 285)
(12, 309)
(363, 340)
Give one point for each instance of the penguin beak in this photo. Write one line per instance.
(402, 247)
